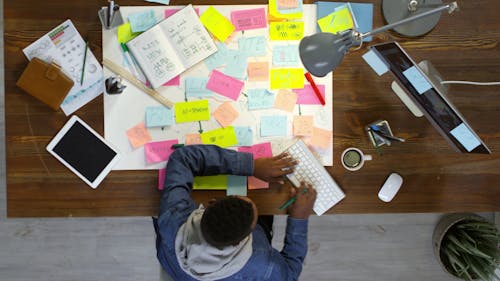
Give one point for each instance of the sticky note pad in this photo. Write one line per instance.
(124, 33)
(253, 46)
(465, 136)
(244, 135)
(260, 99)
(158, 151)
(417, 80)
(321, 138)
(217, 24)
(158, 116)
(142, 21)
(223, 137)
(339, 20)
(192, 111)
(287, 78)
(192, 139)
(225, 114)
(286, 55)
(218, 182)
(224, 85)
(258, 71)
(376, 63)
(236, 185)
(138, 135)
(290, 30)
(249, 19)
(162, 175)
(285, 100)
(196, 87)
(273, 126)
(307, 95)
(303, 125)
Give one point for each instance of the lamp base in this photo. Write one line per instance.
(396, 10)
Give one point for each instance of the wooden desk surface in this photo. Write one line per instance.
(463, 46)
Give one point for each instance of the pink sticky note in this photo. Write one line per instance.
(321, 138)
(225, 114)
(224, 85)
(308, 96)
(169, 12)
(260, 150)
(285, 100)
(303, 125)
(255, 183)
(193, 139)
(176, 81)
(158, 151)
(162, 174)
(138, 135)
(249, 19)
(258, 71)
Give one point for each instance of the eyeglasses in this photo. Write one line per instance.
(114, 85)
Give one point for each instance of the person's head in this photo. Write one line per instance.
(229, 220)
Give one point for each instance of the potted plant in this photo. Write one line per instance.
(467, 246)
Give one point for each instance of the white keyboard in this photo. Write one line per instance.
(310, 170)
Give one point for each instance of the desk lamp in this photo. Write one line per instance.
(323, 52)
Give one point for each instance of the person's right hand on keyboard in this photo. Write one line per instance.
(303, 206)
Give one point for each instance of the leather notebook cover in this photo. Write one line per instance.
(46, 82)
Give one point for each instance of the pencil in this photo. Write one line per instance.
(315, 88)
(291, 200)
(84, 61)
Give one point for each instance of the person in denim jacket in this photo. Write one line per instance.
(224, 241)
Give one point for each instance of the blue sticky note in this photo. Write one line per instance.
(286, 55)
(237, 65)
(236, 185)
(375, 62)
(218, 58)
(417, 80)
(158, 116)
(253, 46)
(244, 135)
(142, 21)
(197, 87)
(465, 136)
(362, 12)
(260, 99)
(273, 126)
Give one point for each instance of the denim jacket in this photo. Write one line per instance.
(266, 263)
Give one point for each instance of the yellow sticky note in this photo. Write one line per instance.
(285, 100)
(225, 114)
(192, 139)
(192, 111)
(337, 21)
(124, 33)
(321, 138)
(303, 125)
(287, 78)
(258, 71)
(274, 14)
(223, 137)
(290, 30)
(217, 24)
(218, 182)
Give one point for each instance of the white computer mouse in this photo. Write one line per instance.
(390, 187)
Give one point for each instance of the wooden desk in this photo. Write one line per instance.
(464, 46)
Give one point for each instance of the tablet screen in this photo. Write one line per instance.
(86, 153)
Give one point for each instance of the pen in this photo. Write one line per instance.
(178, 145)
(136, 71)
(291, 200)
(315, 88)
(110, 12)
(114, 12)
(379, 132)
(84, 61)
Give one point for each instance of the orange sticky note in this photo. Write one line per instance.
(321, 138)
(225, 114)
(255, 183)
(192, 139)
(303, 125)
(258, 71)
(138, 135)
(288, 4)
(285, 100)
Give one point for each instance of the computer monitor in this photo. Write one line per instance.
(429, 98)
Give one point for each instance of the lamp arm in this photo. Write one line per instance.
(450, 7)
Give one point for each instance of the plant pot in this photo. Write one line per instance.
(442, 227)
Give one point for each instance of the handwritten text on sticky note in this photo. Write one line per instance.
(158, 116)
(192, 139)
(287, 78)
(273, 126)
(224, 85)
(337, 21)
(286, 30)
(321, 138)
(308, 96)
(196, 87)
(142, 21)
(285, 100)
(253, 46)
(138, 135)
(303, 125)
(258, 71)
(217, 24)
(192, 111)
(286, 55)
(249, 19)
(260, 150)
(223, 137)
(225, 114)
(244, 135)
(260, 99)
(158, 151)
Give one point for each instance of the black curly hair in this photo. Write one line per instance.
(227, 221)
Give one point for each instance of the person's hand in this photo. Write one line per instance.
(272, 169)
(303, 205)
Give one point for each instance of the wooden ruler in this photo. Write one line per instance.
(129, 77)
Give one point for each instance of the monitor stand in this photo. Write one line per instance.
(435, 78)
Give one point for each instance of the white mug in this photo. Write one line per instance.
(353, 159)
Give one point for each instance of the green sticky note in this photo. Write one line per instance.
(218, 182)
(192, 111)
(223, 137)
(337, 21)
(125, 34)
(217, 24)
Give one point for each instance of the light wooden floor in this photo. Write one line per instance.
(341, 247)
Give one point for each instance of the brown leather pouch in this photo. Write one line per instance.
(46, 82)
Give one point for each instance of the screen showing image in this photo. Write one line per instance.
(84, 151)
